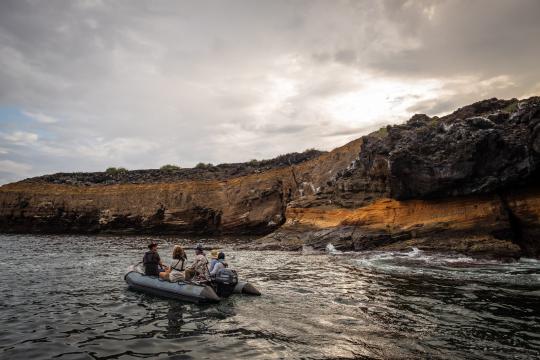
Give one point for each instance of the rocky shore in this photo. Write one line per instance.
(466, 182)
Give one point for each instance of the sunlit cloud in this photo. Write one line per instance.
(20, 137)
(89, 85)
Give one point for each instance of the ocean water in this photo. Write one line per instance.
(64, 297)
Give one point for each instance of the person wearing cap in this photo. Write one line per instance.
(199, 268)
(220, 264)
(214, 259)
(152, 262)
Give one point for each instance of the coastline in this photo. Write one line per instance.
(466, 182)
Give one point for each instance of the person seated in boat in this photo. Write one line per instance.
(199, 268)
(152, 262)
(213, 259)
(175, 272)
(220, 264)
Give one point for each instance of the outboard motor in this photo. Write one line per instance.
(225, 281)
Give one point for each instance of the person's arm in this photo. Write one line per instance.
(216, 268)
(193, 265)
(160, 262)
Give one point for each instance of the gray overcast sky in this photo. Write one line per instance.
(85, 85)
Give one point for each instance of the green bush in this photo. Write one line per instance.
(253, 162)
(114, 171)
(169, 167)
(434, 121)
(381, 133)
(202, 165)
(511, 108)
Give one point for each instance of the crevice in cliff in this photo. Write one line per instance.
(516, 228)
(294, 176)
(284, 203)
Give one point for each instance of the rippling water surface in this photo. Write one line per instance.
(64, 297)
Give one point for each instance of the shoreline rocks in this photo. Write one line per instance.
(466, 182)
(480, 225)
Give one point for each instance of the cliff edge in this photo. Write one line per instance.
(465, 182)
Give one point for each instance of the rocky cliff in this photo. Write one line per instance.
(202, 201)
(464, 182)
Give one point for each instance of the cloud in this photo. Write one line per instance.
(13, 167)
(141, 84)
(11, 170)
(120, 151)
(20, 137)
(485, 38)
(41, 118)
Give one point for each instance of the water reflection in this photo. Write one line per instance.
(175, 318)
(314, 306)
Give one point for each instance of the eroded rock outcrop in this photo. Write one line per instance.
(248, 204)
(477, 225)
(465, 182)
(478, 149)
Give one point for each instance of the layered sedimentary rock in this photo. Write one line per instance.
(249, 204)
(465, 182)
(478, 225)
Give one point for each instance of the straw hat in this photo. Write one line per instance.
(214, 254)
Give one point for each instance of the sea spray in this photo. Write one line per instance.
(330, 249)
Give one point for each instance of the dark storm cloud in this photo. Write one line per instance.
(143, 83)
(464, 37)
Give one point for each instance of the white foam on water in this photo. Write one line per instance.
(414, 252)
(449, 266)
(309, 250)
(529, 261)
(332, 250)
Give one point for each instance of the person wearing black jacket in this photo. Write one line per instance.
(152, 262)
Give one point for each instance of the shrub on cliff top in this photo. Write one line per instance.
(169, 167)
(114, 171)
(434, 121)
(512, 107)
(382, 132)
(204, 166)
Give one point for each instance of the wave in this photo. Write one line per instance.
(330, 249)
(420, 263)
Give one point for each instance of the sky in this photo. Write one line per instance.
(86, 85)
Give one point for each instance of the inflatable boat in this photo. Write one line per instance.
(185, 291)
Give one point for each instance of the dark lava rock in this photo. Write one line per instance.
(481, 148)
(206, 172)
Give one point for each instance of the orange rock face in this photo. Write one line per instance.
(479, 225)
(468, 182)
(253, 204)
